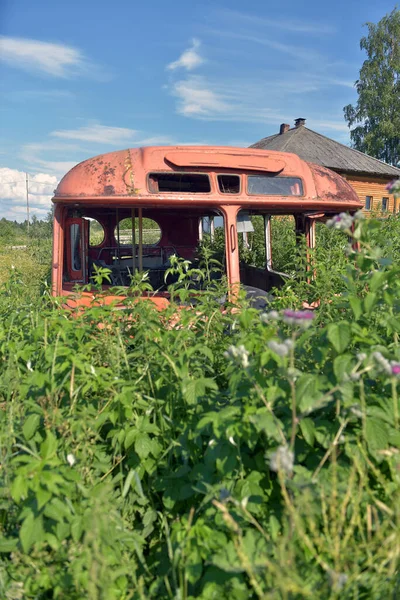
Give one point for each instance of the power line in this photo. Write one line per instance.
(27, 200)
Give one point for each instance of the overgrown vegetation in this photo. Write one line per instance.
(221, 454)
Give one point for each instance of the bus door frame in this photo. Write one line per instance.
(81, 274)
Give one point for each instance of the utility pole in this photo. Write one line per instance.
(27, 199)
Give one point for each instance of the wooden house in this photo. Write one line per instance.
(367, 175)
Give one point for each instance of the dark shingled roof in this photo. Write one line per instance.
(316, 148)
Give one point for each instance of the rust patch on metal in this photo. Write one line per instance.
(337, 187)
(109, 190)
(127, 176)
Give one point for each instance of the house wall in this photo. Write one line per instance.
(372, 186)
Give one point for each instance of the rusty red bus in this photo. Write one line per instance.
(179, 188)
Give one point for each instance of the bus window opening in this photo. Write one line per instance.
(193, 183)
(265, 185)
(229, 184)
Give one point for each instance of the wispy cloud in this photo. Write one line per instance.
(98, 134)
(105, 135)
(291, 25)
(66, 147)
(250, 100)
(298, 52)
(189, 59)
(57, 60)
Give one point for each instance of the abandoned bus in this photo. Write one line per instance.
(167, 195)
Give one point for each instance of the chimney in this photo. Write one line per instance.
(284, 128)
(299, 122)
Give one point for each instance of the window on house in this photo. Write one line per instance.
(229, 184)
(193, 183)
(368, 202)
(385, 203)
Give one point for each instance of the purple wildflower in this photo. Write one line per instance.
(395, 368)
(342, 221)
(302, 318)
(394, 187)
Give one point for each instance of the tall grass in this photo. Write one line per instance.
(204, 453)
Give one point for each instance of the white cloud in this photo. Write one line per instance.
(13, 193)
(189, 59)
(99, 134)
(58, 60)
(196, 99)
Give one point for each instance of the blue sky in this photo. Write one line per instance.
(79, 78)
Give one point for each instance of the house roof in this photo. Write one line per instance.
(316, 148)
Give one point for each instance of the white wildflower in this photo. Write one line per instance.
(71, 460)
(356, 410)
(355, 376)
(273, 315)
(382, 363)
(29, 366)
(232, 441)
(279, 349)
(92, 370)
(337, 580)
(282, 460)
(239, 355)
(361, 356)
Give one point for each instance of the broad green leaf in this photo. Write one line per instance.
(307, 391)
(307, 428)
(31, 531)
(339, 335)
(370, 301)
(376, 434)
(42, 497)
(142, 445)
(49, 446)
(342, 366)
(356, 306)
(30, 426)
(77, 528)
(263, 420)
(19, 488)
(128, 482)
(8, 545)
(377, 280)
(130, 437)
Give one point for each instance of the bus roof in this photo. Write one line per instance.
(121, 178)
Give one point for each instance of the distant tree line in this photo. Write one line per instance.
(12, 231)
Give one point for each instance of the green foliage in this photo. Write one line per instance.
(377, 111)
(206, 452)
